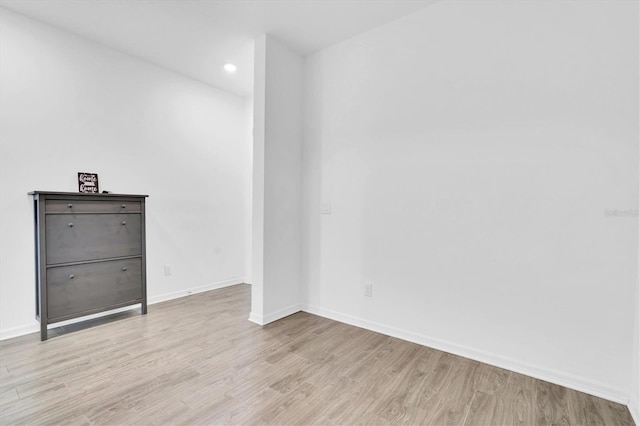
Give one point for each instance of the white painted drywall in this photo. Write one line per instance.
(277, 286)
(248, 193)
(70, 105)
(470, 152)
(258, 181)
(634, 402)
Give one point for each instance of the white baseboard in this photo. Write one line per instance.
(35, 327)
(255, 318)
(274, 316)
(194, 290)
(560, 378)
(635, 412)
(10, 333)
(281, 313)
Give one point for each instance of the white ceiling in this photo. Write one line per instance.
(196, 37)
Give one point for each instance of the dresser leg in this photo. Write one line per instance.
(43, 330)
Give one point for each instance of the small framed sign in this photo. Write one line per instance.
(88, 182)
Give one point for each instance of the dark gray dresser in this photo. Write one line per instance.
(90, 254)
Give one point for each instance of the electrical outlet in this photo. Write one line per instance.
(368, 289)
(167, 270)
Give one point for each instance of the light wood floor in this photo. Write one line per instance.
(197, 360)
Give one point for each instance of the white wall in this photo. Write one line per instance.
(69, 105)
(469, 152)
(258, 180)
(248, 193)
(634, 403)
(277, 153)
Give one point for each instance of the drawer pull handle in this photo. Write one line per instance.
(71, 225)
(124, 222)
(71, 276)
(124, 206)
(124, 268)
(70, 205)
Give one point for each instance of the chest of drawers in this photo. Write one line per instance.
(90, 254)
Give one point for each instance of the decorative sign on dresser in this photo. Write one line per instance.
(90, 254)
(88, 182)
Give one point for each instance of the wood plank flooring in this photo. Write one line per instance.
(198, 360)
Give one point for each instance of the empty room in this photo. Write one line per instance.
(319, 212)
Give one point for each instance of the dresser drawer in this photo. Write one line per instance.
(77, 290)
(76, 238)
(91, 206)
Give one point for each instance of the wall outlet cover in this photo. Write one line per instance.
(368, 289)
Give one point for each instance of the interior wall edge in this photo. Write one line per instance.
(255, 318)
(577, 383)
(635, 412)
(276, 315)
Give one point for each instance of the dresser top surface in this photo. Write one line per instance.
(81, 194)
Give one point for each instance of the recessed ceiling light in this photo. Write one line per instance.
(230, 68)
